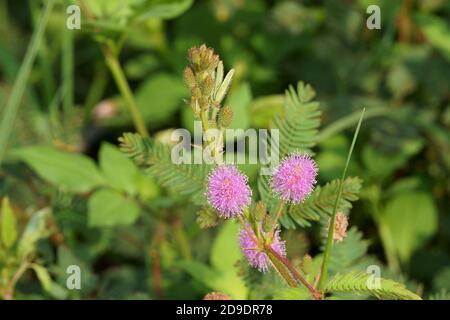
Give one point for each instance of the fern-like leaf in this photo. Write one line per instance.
(186, 179)
(321, 202)
(300, 121)
(298, 125)
(361, 283)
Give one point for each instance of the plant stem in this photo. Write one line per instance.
(329, 244)
(9, 294)
(298, 278)
(180, 236)
(278, 214)
(281, 268)
(249, 232)
(12, 105)
(275, 221)
(67, 68)
(43, 57)
(124, 88)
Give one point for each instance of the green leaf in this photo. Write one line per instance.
(225, 251)
(118, 168)
(51, 287)
(9, 112)
(207, 218)
(348, 253)
(321, 202)
(358, 282)
(299, 293)
(185, 179)
(298, 124)
(436, 31)
(300, 120)
(108, 208)
(160, 97)
(66, 258)
(35, 230)
(164, 9)
(239, 100)
(226, 282)
(411, 219)
(8, 224)
(70, 171)
(222, 275)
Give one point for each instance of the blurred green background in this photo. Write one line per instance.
(69, 186)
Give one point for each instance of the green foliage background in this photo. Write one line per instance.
(71, 197)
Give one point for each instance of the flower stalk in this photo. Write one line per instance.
(329, 244)
(121, 81)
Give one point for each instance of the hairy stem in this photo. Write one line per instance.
(282, 270)
(180, 236)
(273, 255)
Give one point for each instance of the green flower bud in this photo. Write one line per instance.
(307, 264)
(189, 78)
(225, 116)
(260, 211)
(267, 223)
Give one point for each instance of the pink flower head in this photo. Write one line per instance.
(294, 179)
(228, 191)
(253, 249)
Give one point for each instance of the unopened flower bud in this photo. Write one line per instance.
(216, 296)
(307, 264)
(225, 116)
(207, 85)
(267, 223)
(340, 227)
(260, 211)
(204, 104)
(189, 78)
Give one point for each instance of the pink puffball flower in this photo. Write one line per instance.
(228, 191)
(294, 179)
(254, 251)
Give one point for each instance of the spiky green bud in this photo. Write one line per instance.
(225, 116)
(260, 211)
(189, 78)
(267, 223)
(307, 264)
(206, 218)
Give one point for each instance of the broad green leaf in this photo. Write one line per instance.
(35, 230)
(159, 97)
(108, 208)
(69, 171)
(8, 224)
(163, 9)
(411, 219)
(227, 282)
(118, 169)
(239, 100)
(225, 251)
(51, 287)
(222, 276)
